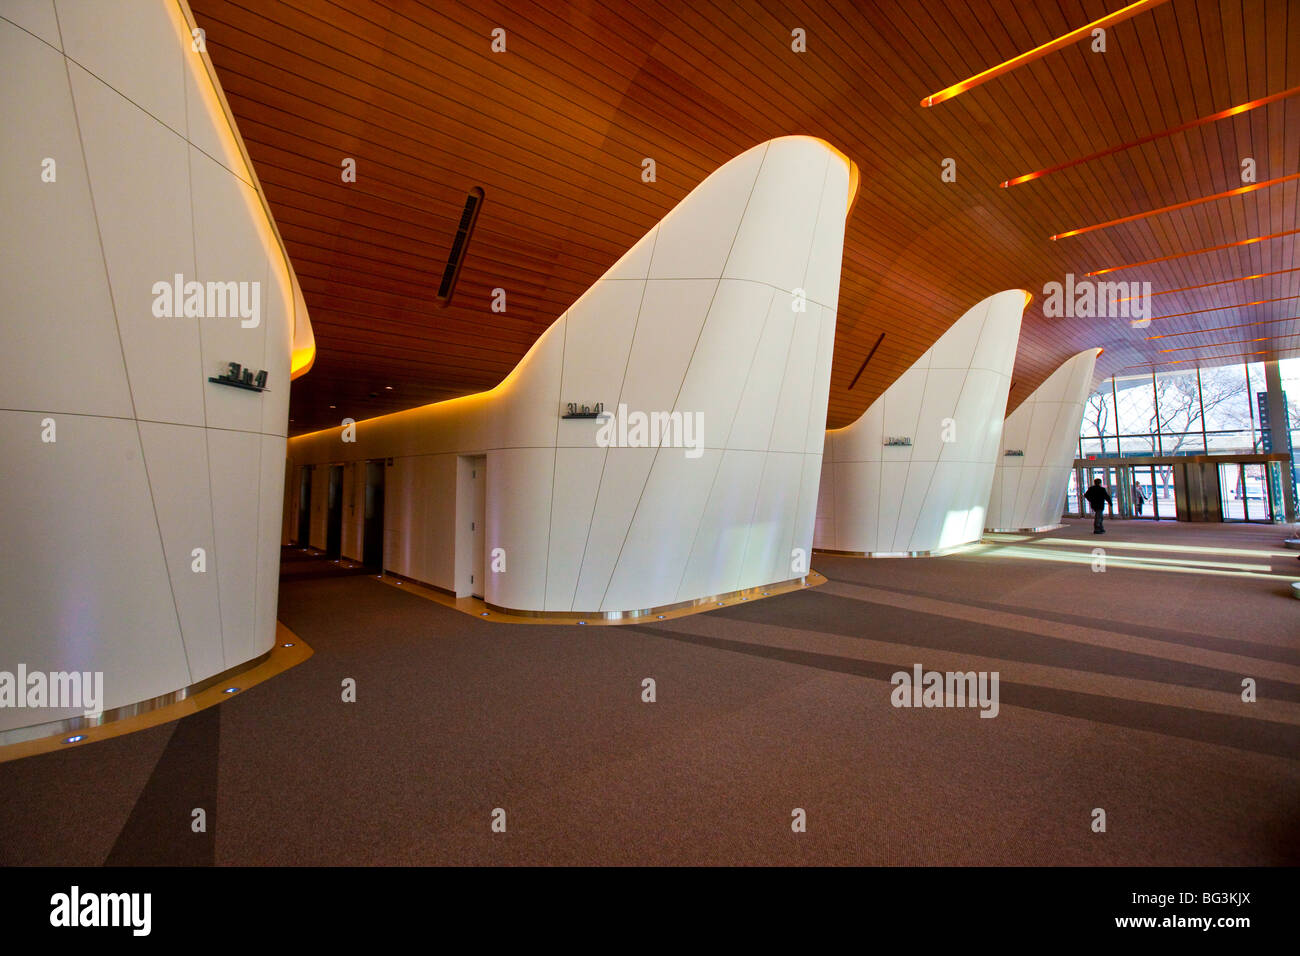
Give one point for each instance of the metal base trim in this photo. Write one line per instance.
(1046, 527)
(746, 594)
(938, 553)
(68, 725)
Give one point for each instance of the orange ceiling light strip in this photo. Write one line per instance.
(1220, 345)
(1132, 10)
(1239, 191)
(1220, 308)
(1223, 328)
(1213, 118)
(1202, 359)
(1206, 285)
(1195, 252)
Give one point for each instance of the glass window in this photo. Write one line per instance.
(1097, 430)
(1178, 407)
(1289, 369)
(1136, 415)
(1226, 398)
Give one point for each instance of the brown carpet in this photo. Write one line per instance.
(1119, 690)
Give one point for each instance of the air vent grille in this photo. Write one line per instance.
(464, 229)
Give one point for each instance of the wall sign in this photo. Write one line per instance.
(1014, 453)
(898, 441)
(241, 377)
(574, 410)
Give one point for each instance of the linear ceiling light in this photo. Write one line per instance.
(1213, 358)
(1239, 191)
(1195, 252)
(1224, 328)
(1219, 345)
(1202, 359)
(1213, 118)
(1206, 285)
(1133, 9)
(1220, 308)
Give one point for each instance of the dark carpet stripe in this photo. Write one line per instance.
(158, 831)
(1242, 733)
(851, 617)
(1227, 645)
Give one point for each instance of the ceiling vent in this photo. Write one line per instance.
(473, 203)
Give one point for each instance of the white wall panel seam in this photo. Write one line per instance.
(90, 190)
(758, 341)
(680, 385)
(207, 452)
(911, 460)
(776, 409)
(748, 281)
(595, 498)
(19, 26)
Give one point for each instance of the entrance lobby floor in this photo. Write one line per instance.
(1119, 690)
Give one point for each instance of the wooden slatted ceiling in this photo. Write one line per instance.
(554, 131)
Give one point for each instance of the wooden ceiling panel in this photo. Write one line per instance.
(555, 129)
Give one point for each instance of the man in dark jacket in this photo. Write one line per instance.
(1098, 498)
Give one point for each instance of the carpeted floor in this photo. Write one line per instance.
(1119, 690)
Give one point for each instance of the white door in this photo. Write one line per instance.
(478, 519)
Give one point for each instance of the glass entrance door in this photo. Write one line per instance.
(1230, 488)
(1074, 494)
(1162, 492)
(1244, 492)
(1142, 500)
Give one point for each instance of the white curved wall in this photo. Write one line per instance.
(149, 461)
(697, 317)
(931, 495)
(1029, 490)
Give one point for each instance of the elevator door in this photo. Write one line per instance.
(334, 515)
(372, 533)
(478, 511)
(304, 507)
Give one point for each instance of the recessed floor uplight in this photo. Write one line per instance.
(388, 388)
(582, 622)
(661, 617)
(287, 644)
(484, 614)
(231, 690)
(75, 739)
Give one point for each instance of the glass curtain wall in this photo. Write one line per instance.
(1183, 412)
(1187, 412)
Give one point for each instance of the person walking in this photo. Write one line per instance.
(1098, 498)
(1139, 499)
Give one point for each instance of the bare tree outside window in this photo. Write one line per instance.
(1098, 415)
